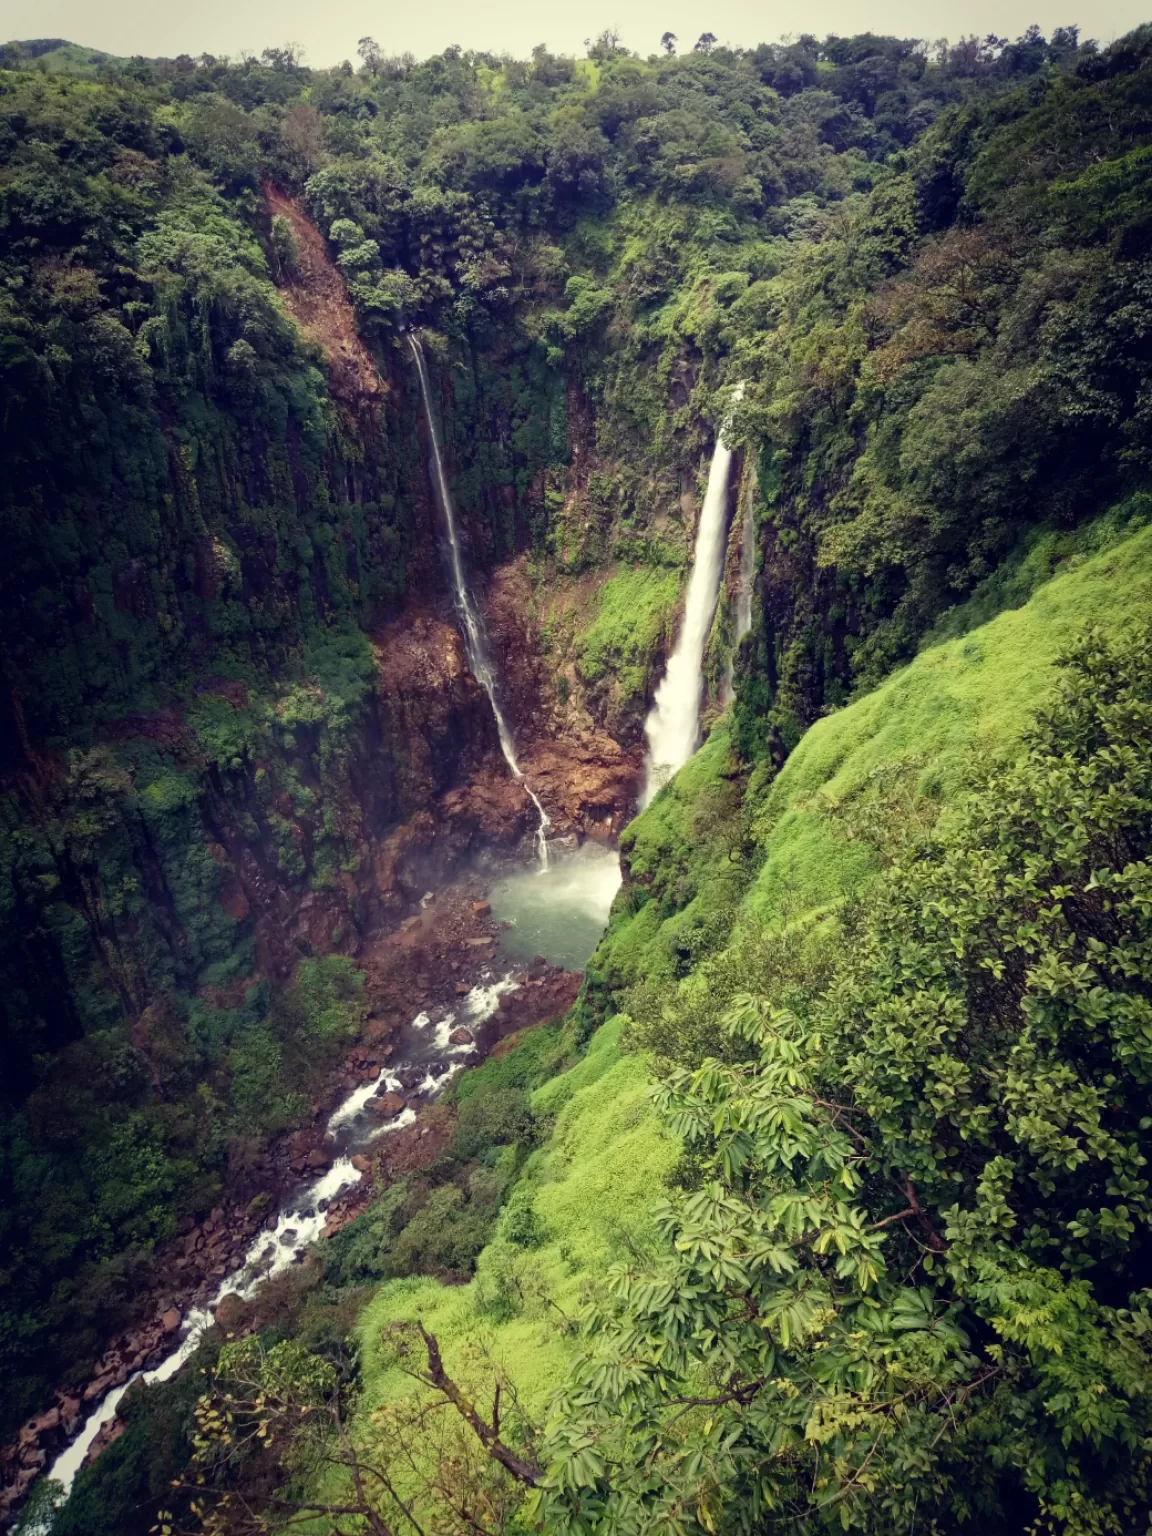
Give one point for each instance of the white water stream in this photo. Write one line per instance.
(303, 1215)
(475, 638)
(673, 723)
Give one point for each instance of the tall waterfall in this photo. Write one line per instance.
(475, 637)
(673, 723)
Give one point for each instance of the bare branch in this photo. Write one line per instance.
(437, 1377)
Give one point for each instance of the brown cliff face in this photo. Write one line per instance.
(586, 779)
(427, 788)
(315, 296)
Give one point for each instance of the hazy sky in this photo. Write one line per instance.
(328, 30)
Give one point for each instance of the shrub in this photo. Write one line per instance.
(907, 1288)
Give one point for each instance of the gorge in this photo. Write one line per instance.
(575, 722)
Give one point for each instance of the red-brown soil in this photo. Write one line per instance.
(316, 297)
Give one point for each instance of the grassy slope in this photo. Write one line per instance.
(972, 694)
(593, 1184)
(590, 1187)
(637, 607)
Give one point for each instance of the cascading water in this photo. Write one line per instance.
(673, 723)
(475, 638)
(302, 1216)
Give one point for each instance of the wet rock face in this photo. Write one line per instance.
(431, 704)
(587, 778)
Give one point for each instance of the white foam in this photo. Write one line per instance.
(405, 1117)
(483, 1000)
(298, 1224)
(358, 1100)
(268, 1254)
(434, 1082)
(673, 724)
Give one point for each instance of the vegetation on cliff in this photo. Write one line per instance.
(897, 1275)
(882, 943)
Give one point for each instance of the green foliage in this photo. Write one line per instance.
(531, 1060)
(587, 1189)
(447, 1234)
(930, 271)
(285, 246)
(686, 873)
(922, 1219)
(493, 1117)
(630, 632)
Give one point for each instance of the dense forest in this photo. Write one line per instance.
(825, 1206)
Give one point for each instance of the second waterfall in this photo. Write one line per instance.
(475, 636)
(673, 723)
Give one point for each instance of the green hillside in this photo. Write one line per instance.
(826, 1206)
(55, 56)
(592, 1188)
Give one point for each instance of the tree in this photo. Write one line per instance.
(285, 246)
(919, 1221)
(277, 1420)
(286, 60)
(668, 43)
(605, 46)
(371, 56)
(302, 140)
(704, 43)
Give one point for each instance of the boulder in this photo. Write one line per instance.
(318, 1158)
(70, 1414)
(461, 1036)
(44, 1423)
(24, 1480)
(481, 908)
(387, 1104)
(361, 1163)
(107, 1436)
(171, 1320)
(229, 1312)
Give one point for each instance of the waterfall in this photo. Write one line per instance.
(475, 638)
(673, 723)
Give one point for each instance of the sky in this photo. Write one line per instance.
(328, 31)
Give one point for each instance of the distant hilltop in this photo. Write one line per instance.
(55, 55)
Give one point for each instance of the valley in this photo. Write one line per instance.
(575, 729)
